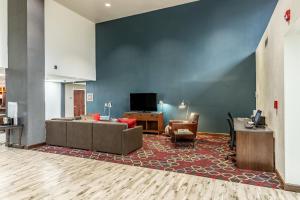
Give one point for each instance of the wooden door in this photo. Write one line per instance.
(79, 103)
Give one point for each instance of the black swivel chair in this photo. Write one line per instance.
(230, 116)
(232, 143)
(230, 125)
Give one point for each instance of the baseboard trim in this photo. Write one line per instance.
(208, 133)
(287, 186)
(291, 187)
(35, 145)
(280, 177)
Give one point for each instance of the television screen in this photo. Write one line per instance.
(143, 102)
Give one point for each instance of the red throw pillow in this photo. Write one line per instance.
(130, 122)
(96, 117)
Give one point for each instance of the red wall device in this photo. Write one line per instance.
(276, 104)
(287, 15)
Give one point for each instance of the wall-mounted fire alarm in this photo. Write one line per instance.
(276, 105)
(287, 15)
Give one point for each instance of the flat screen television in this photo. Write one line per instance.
(143, 102)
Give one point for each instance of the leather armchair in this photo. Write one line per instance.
(190, 124)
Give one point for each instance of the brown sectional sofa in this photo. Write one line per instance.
(109, 137)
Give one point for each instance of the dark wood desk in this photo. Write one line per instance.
(8, 130)
(254, 147)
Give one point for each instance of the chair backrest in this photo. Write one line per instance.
(232, 134)
(230, 116)
(230, 126)
(194, 117)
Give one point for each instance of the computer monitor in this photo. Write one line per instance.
(257, 117)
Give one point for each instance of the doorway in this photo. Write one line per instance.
(79, 102)
(75, 101)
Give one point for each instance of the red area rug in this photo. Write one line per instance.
(207, 159)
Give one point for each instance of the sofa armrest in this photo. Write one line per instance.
(132, 139)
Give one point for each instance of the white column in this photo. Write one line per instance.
(3, 34)
(292, 109)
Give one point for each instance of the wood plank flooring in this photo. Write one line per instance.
(26, 174)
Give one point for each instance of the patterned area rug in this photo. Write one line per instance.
(207, 159)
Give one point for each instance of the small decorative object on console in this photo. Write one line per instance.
(107, 106)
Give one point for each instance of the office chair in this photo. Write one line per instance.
(233, 135)
(232, 124)
(232, 143)
(230, 116)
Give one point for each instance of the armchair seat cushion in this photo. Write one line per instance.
(185, 136)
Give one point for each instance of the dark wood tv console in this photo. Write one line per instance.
(152, 122)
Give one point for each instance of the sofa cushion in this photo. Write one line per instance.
(56, 132)
(79, 134)
(130, 122)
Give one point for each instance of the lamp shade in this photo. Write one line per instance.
(182, 105)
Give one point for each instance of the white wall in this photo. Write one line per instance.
(52, 100)
(69, 44)
(3, 34)
(69, 98)
(270, 79)
(292, 108)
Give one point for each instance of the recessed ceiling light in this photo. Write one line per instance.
(107, 4)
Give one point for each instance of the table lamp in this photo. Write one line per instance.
(107, 105)
(183, 106)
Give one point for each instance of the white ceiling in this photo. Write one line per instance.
(96, 11)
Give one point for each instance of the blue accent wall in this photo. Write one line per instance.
(201, 52)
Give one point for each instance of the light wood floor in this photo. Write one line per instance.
(28, 174)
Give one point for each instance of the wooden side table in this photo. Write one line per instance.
(8, 130)
(184, 135)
